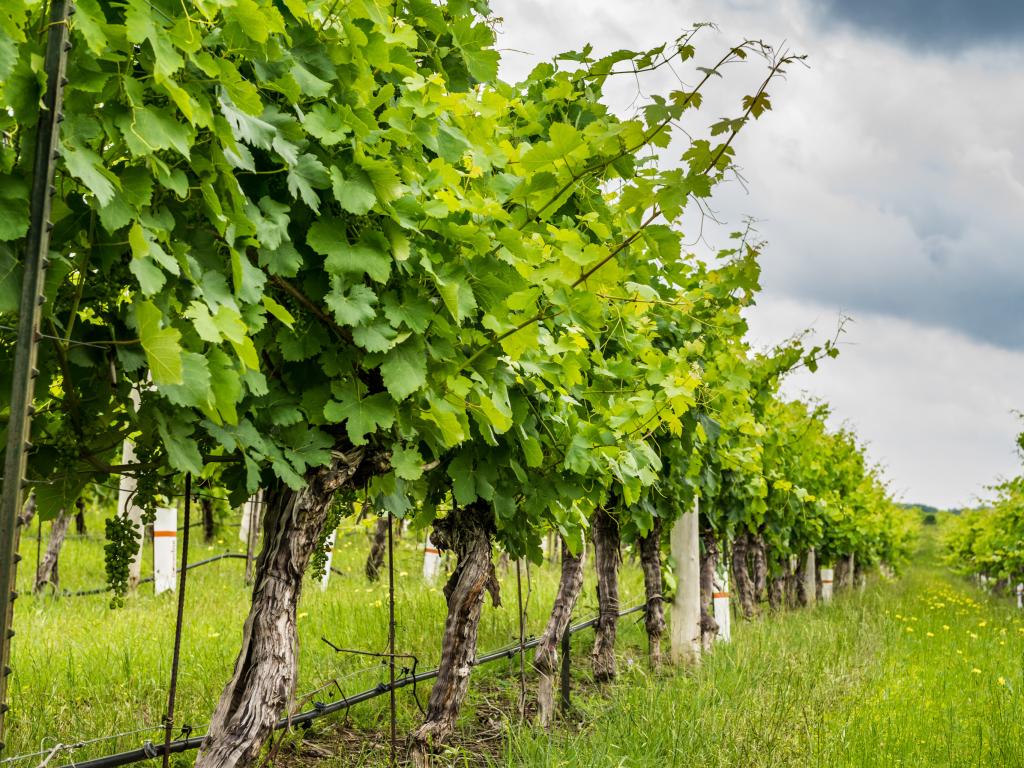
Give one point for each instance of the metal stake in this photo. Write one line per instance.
(25, 349)
(391, 639)
(173, 690)
(566, 651)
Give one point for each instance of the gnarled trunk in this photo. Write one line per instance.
(209, 523)
(805, 579)
(650, 561)
(467, 532)
(606, 563)
(840, 576)
(263, 684)
(375, 559)
(742, 582)
(28, 512)
(80, 517)
(776, 592)
(708, 563)
(47, 571)
(546, 657)
(759, 563)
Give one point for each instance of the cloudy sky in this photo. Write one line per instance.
(888, 183)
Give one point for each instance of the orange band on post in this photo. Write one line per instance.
(826, 581)
(717, 595)
(165, 533)
(432, 551)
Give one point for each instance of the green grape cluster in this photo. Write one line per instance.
(122, 544)
(341, 506)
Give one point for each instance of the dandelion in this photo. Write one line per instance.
(976, 671)
(303, 615)
(973, 636)
(959, 652)
(1001, 680)
(945, 627)
(910, 629)
(982, 623)
(931, 634)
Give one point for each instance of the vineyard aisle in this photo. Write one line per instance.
(922, 671)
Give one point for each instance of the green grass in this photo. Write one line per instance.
(82, 670)
(874, 679)
(925, 671)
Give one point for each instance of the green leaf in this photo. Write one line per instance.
(304, 177)
(361, 416)
(404, 369)
(182, 451)
(460, 470)
(353, 189)
(407, 463)
(352, 306)
(378, 337)
(86, 166)
(278, 311)
(370, 255)
(457, 296)
(14, 195)
(162, 345)
(194, 390)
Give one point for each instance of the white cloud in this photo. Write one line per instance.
(888, 183)
(935, 407)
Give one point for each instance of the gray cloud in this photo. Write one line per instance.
(932, 24)
(888, 182)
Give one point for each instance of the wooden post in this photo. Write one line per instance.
(327, 562)
(165, 549)
(810, 582)
(1020, 595)
(686, 606)
(827, 574)
(720, 602)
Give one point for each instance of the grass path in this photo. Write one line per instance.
(925, 671)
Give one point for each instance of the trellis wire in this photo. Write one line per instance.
(148, 751)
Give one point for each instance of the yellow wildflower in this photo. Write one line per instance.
(931, 634)
(976, 671)
(1001, 680)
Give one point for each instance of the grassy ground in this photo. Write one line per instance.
(83, 671)
(924, 671)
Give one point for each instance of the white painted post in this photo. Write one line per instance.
(248, 512)
(685, 625)
(810, 582)
(827, 574)
(329, 551)
(1020, 595)
(125, 504)
(720, 601)
(127, 508)
(165, 549)
(431, 561)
